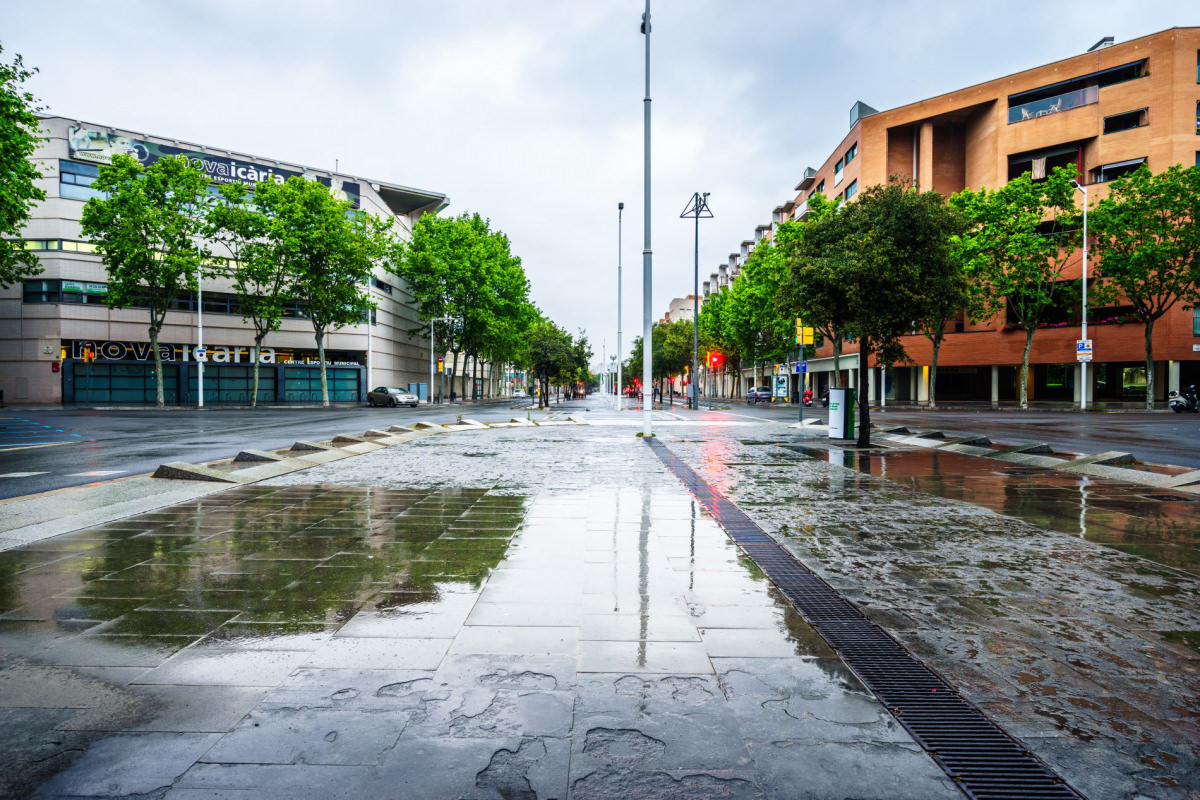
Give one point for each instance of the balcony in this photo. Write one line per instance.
(1053, 105)
(801, 211)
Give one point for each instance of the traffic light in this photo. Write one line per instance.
(441, 364)
(89, 355)
(714, 359)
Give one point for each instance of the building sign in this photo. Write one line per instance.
(102, 351)
(85, 144)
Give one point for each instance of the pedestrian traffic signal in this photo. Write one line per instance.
(441, 364)
(89, 355)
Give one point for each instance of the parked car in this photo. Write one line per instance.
(391, 396)
(759, 394)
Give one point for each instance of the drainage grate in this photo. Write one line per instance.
(982, 759)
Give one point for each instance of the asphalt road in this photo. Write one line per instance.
(1158, 438)
(74, 447)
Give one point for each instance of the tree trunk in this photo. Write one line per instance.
(937, 345)
(837, 355)
(1025, 366)
(864, 400)
(258, 340)
(1149, 366)
(324, 376)
(158, 376)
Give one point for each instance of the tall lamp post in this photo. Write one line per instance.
(620, 353)
(1083, 365)
(697, 209)
(647, 256)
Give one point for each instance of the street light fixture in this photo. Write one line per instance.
(697, 209)
(1083, 365)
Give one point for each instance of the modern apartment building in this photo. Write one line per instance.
(1108, 111)
(51, 322)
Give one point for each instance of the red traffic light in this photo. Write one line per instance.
(714, 359)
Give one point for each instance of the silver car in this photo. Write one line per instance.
(391, 396)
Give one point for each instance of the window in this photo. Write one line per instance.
(1196, 321)
(1040, 163)
(1073, 93)
(75, 180)
(1110, 172)
(62, 291)
(852, 189)
(386, 288)
(837, 172)
(851, 153)
(1124, 122)
(820, 188)
(1198, 66)
(1198, 117)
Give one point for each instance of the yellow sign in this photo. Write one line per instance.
(803, 335)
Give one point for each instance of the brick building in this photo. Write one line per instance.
(1108, 110)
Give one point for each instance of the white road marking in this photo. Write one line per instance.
(96, 473)
(20, 474)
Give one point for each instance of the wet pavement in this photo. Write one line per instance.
(546, 613)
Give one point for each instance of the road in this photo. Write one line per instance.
(45, 450)
(73, 447)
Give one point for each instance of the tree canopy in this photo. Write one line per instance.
(19, 138)
(1147, 232)
(147, 226)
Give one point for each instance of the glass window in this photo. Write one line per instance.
(851, 153)
(1125, 122)
(820, 188)
(1110, 172)
(75, 180)
(1196, 321)
(852, 189)
(41, 292)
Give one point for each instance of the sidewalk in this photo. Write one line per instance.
(546, 612)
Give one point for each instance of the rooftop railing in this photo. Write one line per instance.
(1053, 105)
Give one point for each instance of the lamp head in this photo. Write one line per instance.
(620, 206)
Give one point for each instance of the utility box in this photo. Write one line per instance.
(841, 413)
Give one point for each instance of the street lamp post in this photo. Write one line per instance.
(620, 211)
(697, 209)
(647, 255)
(200, 359)
(1083, 365)
(429, 391)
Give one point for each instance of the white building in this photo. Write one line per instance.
(49, 322)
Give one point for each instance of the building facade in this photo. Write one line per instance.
(1108, 111)
(60, 343)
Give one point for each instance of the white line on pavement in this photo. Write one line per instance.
(20, 474)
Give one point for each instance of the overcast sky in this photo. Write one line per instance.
(530, 111)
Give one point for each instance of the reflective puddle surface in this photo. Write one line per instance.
(1160, 525)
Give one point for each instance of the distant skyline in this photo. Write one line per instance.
(531, 113)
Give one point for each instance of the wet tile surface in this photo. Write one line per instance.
(469, 627)
(1020, 585)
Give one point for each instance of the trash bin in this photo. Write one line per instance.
(841, 414)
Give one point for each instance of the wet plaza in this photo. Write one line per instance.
(549, 613)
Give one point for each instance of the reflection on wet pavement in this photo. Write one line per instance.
(1084, 651)
(1159, 525)
(569, 624)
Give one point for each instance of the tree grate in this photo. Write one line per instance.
(982, 759)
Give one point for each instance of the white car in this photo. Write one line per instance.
(391, 396)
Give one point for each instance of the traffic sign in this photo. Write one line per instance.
(1083, 345)
(1084, 357)
(201, 354)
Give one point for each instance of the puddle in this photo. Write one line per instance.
(276, 558)
(1158, 525)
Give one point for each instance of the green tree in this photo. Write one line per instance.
(1148, 237)
(887, 251)
(750, 317)
(19, 138)
(147, 226)
(1016, 244)
(462, 272)
(551, 354)
(328, 253)
(811, 288)
(257, 271)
